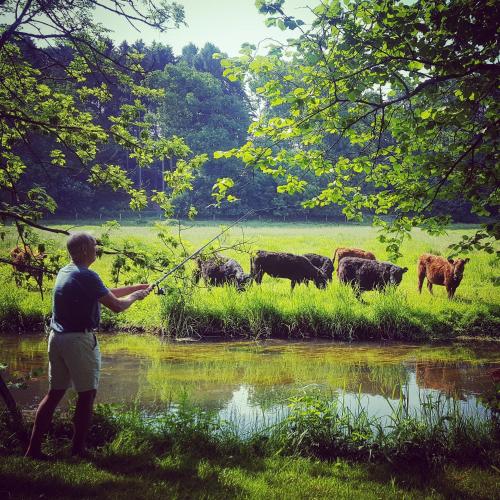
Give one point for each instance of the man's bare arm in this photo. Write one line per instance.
(119, 304)
(127, 290)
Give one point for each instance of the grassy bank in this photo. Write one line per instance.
(321, 450)
(272, 310)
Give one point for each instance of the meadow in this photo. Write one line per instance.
(271, 309)
(322, 449)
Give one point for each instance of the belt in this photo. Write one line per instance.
(80, 331)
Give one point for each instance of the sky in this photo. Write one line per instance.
(225, 23)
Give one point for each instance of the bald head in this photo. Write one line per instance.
(81, 247)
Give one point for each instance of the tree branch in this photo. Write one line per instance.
(4, 37)
(4, 214)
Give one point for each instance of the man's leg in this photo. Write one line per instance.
(84, 362)
(43, 419)
(82, 419)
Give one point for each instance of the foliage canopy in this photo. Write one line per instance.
(58, 71)
(412, 88)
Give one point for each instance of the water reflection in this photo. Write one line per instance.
(458, 380)
(251, 382)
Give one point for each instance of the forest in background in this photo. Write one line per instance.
(379, 113)
(200, 105)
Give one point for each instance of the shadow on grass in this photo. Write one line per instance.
(112, 477)
(473, 482)
(185, 475)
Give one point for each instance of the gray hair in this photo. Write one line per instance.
(79, 243)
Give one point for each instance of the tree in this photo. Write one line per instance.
(414, 87)
(197, 106)
(62, 93)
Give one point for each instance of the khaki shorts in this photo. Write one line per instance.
(76, 358)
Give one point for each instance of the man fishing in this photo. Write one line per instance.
(74, 355)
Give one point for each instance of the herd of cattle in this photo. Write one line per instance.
(355, 267)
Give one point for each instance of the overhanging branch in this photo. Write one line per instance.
(4, 214)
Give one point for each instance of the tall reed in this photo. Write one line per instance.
(315, 424)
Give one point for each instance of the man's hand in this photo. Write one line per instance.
(142, 293)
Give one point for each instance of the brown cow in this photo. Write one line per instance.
(342, 252)
(440, 271)
(25, 261)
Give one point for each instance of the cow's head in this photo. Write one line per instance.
(458, 266)
(327, 268)
(244, 281)
(321, 279)
(397, 274)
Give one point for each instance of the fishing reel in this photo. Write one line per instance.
(158, 290)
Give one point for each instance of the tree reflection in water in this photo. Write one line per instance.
(259, 378)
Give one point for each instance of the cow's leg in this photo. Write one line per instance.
(39, 284)
(429, 286)
(196, 276)
(39, 280)
(421, 276)
(258, 276)
(256, 272)
(292, 283)
(451, 292)
(18, 279)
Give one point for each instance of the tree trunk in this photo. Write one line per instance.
(163, 175)
(14, 412)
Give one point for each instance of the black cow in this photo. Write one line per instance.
(367, 275)
(296, 268)
(219, 270)
(321, 262)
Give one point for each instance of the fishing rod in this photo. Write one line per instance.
(156, 284)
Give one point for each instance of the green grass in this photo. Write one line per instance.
(316, 425)
(272, 310)
(180, 476)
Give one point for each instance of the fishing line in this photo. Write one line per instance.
(165, 276)
(156, 283)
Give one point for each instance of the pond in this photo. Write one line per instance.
(251, 382)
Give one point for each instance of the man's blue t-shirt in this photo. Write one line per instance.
(76, 297)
